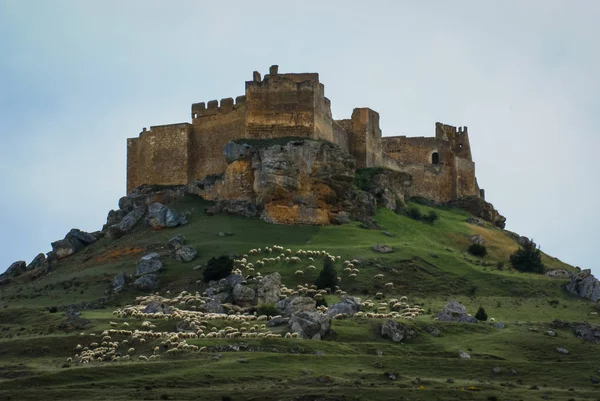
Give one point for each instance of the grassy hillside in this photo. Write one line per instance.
(429, 265)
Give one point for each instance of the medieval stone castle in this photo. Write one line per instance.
(294, 105)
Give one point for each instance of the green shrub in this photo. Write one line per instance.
(322, 302)
(217, 268)
(431, 217)
(414, 213)
(500, 265)
(528, 258)
(328, 276)
(268, 309)
(477, 250)
(481, 315)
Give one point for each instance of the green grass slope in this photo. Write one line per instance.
(429, 265)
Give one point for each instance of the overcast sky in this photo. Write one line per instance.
(79, 77)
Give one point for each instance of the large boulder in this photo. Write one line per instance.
(243, 295)
(295, 182)
(299, 304)
(126, 224)
(310, 325)
(268, 289)
(387, 186)
(160, 216)
(16, 269)
(480, 208)
(381, 248)
(82, 236)
(157, 307)
(37, 262)
(66, 247)
(584, 285)
(347, 305)
(118, 282)
(455, 312)
(146, 282)
(147, 264)
(185, 253)
(395, 331)
(587, 332)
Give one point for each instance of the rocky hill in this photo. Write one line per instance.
(192, 292)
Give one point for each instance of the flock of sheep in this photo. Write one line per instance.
(120, 341)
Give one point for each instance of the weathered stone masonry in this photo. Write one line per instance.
(294, 105)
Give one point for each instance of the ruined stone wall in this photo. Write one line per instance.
(213, 127)
(323, 119)
(466, 184)
(417, 149)
(341, 137)
(159, 156)
(366, 138)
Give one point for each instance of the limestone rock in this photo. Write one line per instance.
(177, 242)
(160, 216)
(268, 289)
(243, 295)
(434, 331)
(127, 223)
(558, 273)
(588, 332)
(118, 282)
(82, 236)
(561, 350)
(299, 182)
(395, 331)
(310, 325)
(149, 263)
(455, 312)
(16, 269)
(463, 355)
(381, 248)
(388, 187)
(212, 306)
(480, 208)
(185, 253)
(584, 285)
(299, 304)
(37, 262)
(477, 239)
(157, 307)
(66, 247)
(348, 305)
(523, 241)
(475, 221)
(146, 282)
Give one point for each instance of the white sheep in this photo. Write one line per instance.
(299, 273)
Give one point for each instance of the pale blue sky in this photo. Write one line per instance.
(79, 77)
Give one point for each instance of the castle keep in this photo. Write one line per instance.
(294, 105)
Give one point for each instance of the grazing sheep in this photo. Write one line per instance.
(353, 275)
(388, 285)
(114, 324)
(143, 358)
(299, 273)
(311, 267)
(378, 276)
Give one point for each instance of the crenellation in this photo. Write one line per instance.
(294, 105)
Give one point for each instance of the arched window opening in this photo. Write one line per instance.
(435, 158)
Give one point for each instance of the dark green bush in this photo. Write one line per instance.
(328, 276)
(414, 213)
(481, 315)
(431, 217)
(477, 250)
(267, 309)
(217, 268)
(322, 302)
(528, 258)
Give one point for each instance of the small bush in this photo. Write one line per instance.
(217, 268)
(481, 315)
(554, 302)
(322, 302)
(500, 265)
(431, 217)
(267, 309)
(528, 258)
(414, 213)
(477, 250)
(328, 276)
(53, 309)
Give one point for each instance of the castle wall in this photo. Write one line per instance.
(212, 129)
(366, 138)
(159, 156)
(341, 137)
(279, 107)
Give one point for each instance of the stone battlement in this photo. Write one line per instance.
(294, 105)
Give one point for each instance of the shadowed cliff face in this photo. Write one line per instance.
(298, 182)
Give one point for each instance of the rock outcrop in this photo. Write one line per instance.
(269, 289)
(16, 269)
(347, 305)
(387, 186)
(584, 285)
(300, 182)
(310, 325)
(74, 241)
(455, 312)
(147, 264)
(395, 331)
(480, 208)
